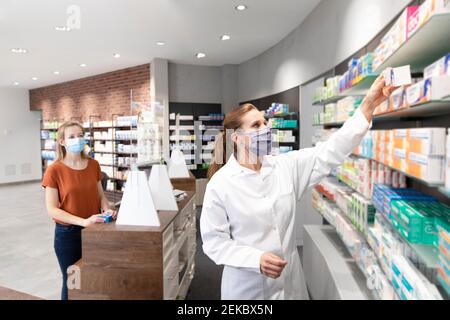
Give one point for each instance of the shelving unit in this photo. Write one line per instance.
(48, 127)
(116, 179)
(428, 44)
(422, 110)
(425, 46)
(429, 184)
(295, 131)
(196, 126)
(329, 100)
(361, 87)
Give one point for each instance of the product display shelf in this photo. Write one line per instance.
(361, 87)
(329, 100)
(363, 236)
(429, 184)
(330, 124)
(52, 128)
(425, 254)
(296, 131)
(119, 153)
(425, 46)
(421, 110)
(421, 253)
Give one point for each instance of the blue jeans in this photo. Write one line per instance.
(68, 250)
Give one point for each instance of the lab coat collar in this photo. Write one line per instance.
(235, 168)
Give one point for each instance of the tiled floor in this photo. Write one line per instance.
(27, 260)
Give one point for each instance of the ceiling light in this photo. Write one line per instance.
(225, 37)
(62, 28)
(116, 55)
(241, 7)
(34, 78)
(56, 72)
(83, 65)
(19, 50)
(16, 83)
(160, 43)
(200, 55)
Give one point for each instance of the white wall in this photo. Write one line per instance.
(191, 83)
(203, 84)
(331, 33)
(19, 137)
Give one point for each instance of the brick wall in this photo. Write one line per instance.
(103, 95)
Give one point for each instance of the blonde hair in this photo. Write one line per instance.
(60, 149)
(232, 121)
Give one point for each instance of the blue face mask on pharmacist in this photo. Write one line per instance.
(76, 145)
(261, 142)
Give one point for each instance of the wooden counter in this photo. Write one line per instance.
(131, 262)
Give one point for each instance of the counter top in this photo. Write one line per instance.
(165, 218)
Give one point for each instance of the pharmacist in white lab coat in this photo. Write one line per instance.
(249, 210)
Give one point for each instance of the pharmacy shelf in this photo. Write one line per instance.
(284, 115)
(421, 110)
(285, 129)
(114, 165)
(328, 264)
(351, 187)
(444, 191)
(114, 139)
(284, 142)
(428, 44)
(330, 124)
(210, 120)
(329, 100)
(112, 127)
(429, 184)
(118, 153)
(361, 88)
(426, 253)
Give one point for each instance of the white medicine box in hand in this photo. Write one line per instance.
(397, 77)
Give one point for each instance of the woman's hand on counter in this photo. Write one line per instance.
(272, 265)
(112, 212)
(96, 218)
(378, 93)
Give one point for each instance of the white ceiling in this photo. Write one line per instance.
(132, 28)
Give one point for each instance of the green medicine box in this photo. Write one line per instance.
(414, 221)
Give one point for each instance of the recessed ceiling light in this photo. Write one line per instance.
(160, 43)
(16, 83)
(116, 55)
(241, 7)
(19, 50)
(200, 55)
(34, 78)
(56, 72)
(225, 37)
(83, 65)
(62, 28)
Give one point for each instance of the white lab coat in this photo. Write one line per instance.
(246, 214)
